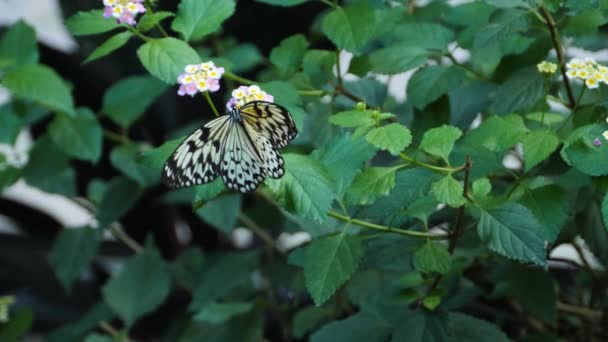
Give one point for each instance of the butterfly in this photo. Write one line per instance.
(242, 147)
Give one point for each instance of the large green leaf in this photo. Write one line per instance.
(440, 141)
(222, 212)
(464, 328)
(48, 168)
(125, 292)
(306, 189)
(371, 184)
(125, 158)
(287, 57)
(155, 158)
(129, 98)
(538, 145)
(549, 205)
(91, 22)
(392, 137)
(112, 44)
(507, 24)
(198, 18)
(349, 28)
(120, 195)
(513, 231)
(430, 83)
(73, 250)
(361, 327)
(498, 133)
(80, 136)
(42, 85)
(166, 58)
(10, 125)
(519, 92)
(397, 59)
(18, 45)
(329, 262)
(580, 152)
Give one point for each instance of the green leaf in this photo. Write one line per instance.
(549, 205)
(198, 18)
(464, 328)
(353, 118)
(186, 266)
(243, 57)
(579, 151)
(42, 85)
(206, 192)
(349, 28)
(220, 312)
(283, 3)
(431, 302)
(306, 189)
(513, 231)
(73, 250)
(519, 92)
(48, 169)
(508, 24)
(18, 45)
(120, 195)
(10, 125)
(392, 137)
(535, 290)
(8, 176)
(371, 184)
(308, 319)
(344, 156)
(129, 98)
(481, 187)
(439, 141)
(546, 117)
(397, 59)
(538, 146)
(498, 134)
(329, 262)
(222, 212)
(125, 159)
(419, 326)
(112, 44)
(448, 190)
(427, 35)
(149, 20)
(361, 327)
(80, 136)
(422, 208)
(469, 100)
(124, 294)
(432, 258)
(166, 58)
(287, 57)
(318, 65)
(430, 83)
(76, 330)
(91, 22)
(155, 158)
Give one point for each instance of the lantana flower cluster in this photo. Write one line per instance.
(124, 11)
(200, 78)
(244, 94)
(587, 70)
(547, 67)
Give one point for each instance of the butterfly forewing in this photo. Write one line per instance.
(197, 159)
(270, 120)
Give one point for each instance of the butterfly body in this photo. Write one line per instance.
(241, 147)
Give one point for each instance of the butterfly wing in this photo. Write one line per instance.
(270, 120)
(197, 159)
(243, 165)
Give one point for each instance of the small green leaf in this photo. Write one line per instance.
(306, 189)
(19, 44)
(448, 190)
(439, 141)
(155, 158)
(80, 136)
(220, 312)
(349, 28)
(432, 258)
(125, 159)
(124, 294)
(198, 18)
(222, 212)
(431, 302)
(166, 58)
(498, 134)
(287, 57)
(371, 184)
(48, 168)
(73, 250)
(139, 92)
(519, 92)
(91, 22)
(513, 231)
(579, 151)
(149, 20)
(120, 195)
(538, 145)
(397, 59)
(329, 262)
(41, 85)
(430, 83)
(392, 137)
(112, 44)
(353, 118)
(464, 328)
(481, 187)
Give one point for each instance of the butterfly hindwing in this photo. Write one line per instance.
(270, 120)
(197, 159)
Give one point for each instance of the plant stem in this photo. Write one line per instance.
(259, 231)
(116, 335)
(116, 137)
(328, 3)
(210, 102)
(592, 315)
(573, 111)
(123, 237)
(429, 166)
(158, 25)
(386, 229)
(558, 51)
(234, 77)
(311, 92)
(137, 33)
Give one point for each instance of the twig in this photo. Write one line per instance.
(558, 51)
(589, 314)
(340, 89)
(120, 235)
(108, 328)
(429, 166)
(259, 231)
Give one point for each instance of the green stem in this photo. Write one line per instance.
(311, 92)
(574, 108)
(210, 102)
(116, 137)
(259, 231)
(429, 166)
(158, 25)
(386, 229)
(137, 33)
(328, 3)
(234, 77)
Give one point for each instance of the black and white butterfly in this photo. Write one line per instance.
(242, 147)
